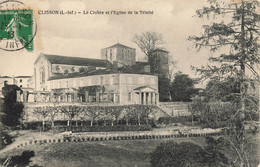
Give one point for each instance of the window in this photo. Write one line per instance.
(152, 81)
(81, 83)
(101, 80)
(42, 76)
(141, 80)
(130, 80)
(111, 58)
(21, 80)
(129, 96)
(106, 55)
(58, 68)
(113, 80)
(73, 69)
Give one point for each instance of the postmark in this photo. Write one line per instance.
(17, 26)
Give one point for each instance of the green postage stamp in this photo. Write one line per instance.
(16, 29)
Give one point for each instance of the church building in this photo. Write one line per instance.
(113, 79)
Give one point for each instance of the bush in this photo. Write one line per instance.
(19, 160)
(102, 128)
(172, 154)
(6, 139)
(188, 154)
(169, 120)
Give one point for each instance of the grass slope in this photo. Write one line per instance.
(101, 153)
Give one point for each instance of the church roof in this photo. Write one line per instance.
(79, 61)
(118, 45)
(98, 72)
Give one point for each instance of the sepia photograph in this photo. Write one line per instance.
(129, 83)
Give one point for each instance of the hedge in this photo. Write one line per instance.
(102, 128)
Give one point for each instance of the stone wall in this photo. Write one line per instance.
(175, 109)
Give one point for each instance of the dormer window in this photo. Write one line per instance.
(73, 69)
(58, 68)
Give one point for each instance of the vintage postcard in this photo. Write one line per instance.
(129, 83)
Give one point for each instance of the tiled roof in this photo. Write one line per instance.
(80, 61)
(99, 72)
(118, 45)
(23, 76)
(5, 77)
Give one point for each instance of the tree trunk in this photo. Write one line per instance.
(91, 123)
(139, 121)
(43, 124)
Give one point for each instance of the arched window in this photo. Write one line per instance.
(42, 75)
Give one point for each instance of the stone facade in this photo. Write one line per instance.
(104, 88)
(119, 55)
(159, 62)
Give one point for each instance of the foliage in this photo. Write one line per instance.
(222, 90)
(185, 120)
(107, 128)
(11, 110)
(188, 154)
(172, 154)
(164, 89)
(239, 34)
(19, 160)
(182, 88)
(5, 138)
(212, 115)
(97, 114)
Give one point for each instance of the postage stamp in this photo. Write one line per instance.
(17, 26)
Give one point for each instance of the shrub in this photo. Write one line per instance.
(169, 120)
(19, 160)
(5, 138)
(172, 154)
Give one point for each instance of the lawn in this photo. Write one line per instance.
(96, 153)
(132, 153)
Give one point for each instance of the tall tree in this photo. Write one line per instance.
(182, 88)
(222, 90)
(148, 41)
(238, 32)
(12, 110)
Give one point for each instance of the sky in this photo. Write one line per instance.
(85, 35)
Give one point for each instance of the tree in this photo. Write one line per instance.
(93, 112)
(222, 90)
(239, 34)
(164, 89)
(148, 41)
(182, 88)
(71, 112)
(12, 110)
(42, 112)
